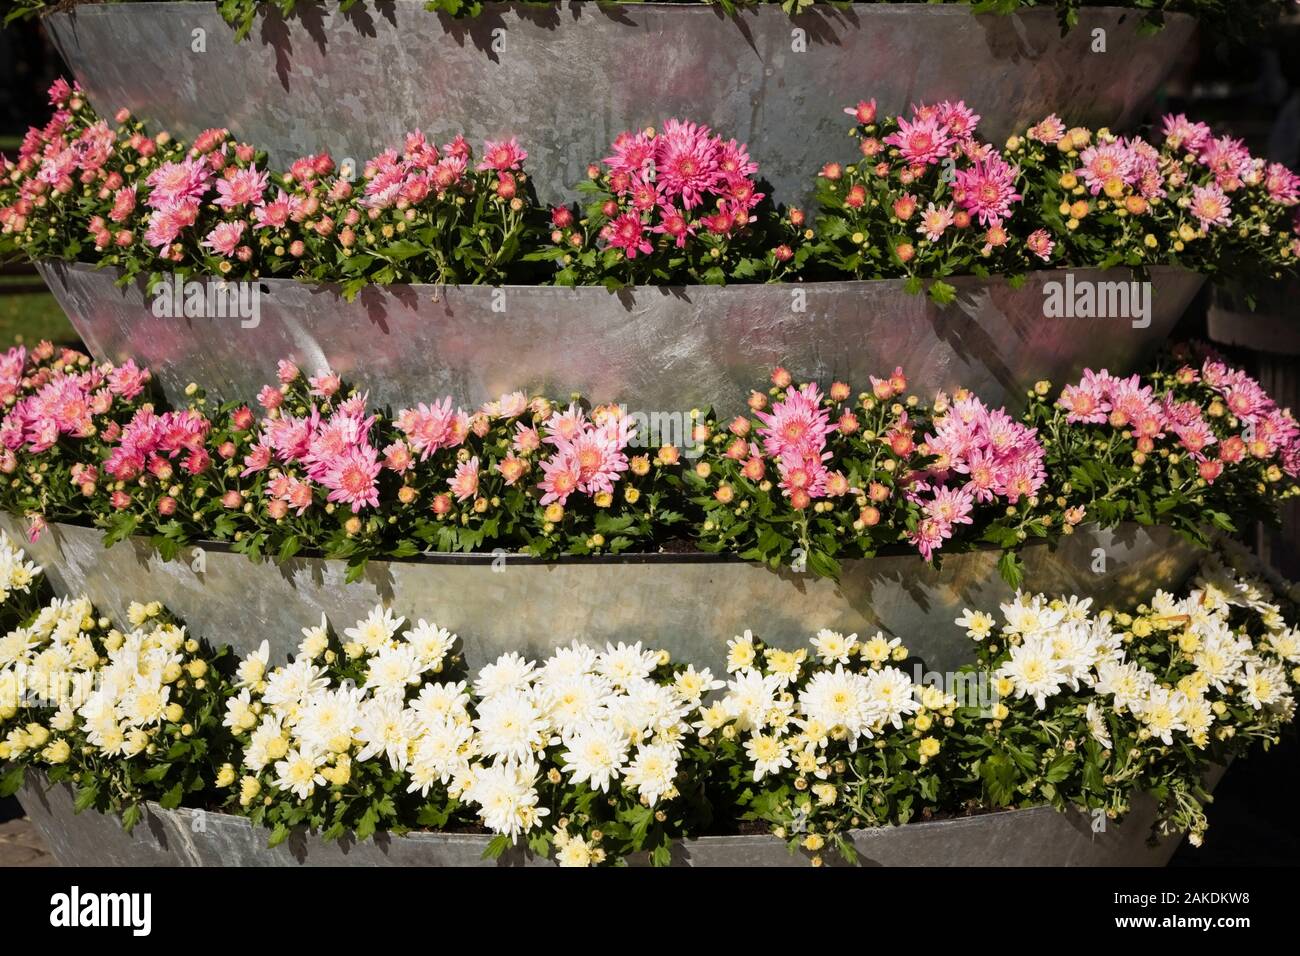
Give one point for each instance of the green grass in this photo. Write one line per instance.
(28, 314)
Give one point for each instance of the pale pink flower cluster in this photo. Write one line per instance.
(330, 448)
(660, 179)
(982, 455)
(794, 436)
(589, 453)
(1124, 403)
(423, 169)
(63, 404)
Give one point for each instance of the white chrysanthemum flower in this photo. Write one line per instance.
(239, 712)
(1032, 668)
(510, 726)
(626, 664)
(568, 662)
(891, 695)
(1262, 683)
(833, 647)
(595, 755)
(144, 704)
(769, 754)
(749, 697)
(393, 669)
(1030, 614)
(376, 630)
(299, 773)
(431, 643)
(1220, 658)
(573, 702)
(288, 686)
(510, 672)
(315, 640)
(444, 751)
(741, 652)
(840, 699)
(439, 702)
(652, 772)
(691, 685)
(385, 726)
(252, 668)
(506, 796)
(266, 744)
(1285, 644)
(330, 719)
(1161, 712)
(879, 649)
(1125, 681)
(1097, 726)
(978, 624)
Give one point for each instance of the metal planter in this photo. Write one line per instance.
(1035, 837)
(567, 78)
(690, 605)
(655, 349)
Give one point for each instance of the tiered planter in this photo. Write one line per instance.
(691, 604)
(571, 76)
(353, 83)
(1035, 837)
(652, 348)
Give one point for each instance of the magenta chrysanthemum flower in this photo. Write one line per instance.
(627, 232)
(686, 162)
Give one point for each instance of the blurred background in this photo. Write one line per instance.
(1250, 89)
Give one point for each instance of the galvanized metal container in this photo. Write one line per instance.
(1035, 837)
(689, 604)
(567, 78)
(655, 349)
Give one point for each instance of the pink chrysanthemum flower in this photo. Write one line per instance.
(935, 221)
(1040, 244)
(627, 232)
(1103, 162)
(464, 483)
(1182, 134)
(1210, 206)
(429, 428)
(925, 141)
(561, 476)
(225, 238)
(352, 478)
(502, 155)
(987, 190)
(243, 188)
(178, 182)
(686, 162)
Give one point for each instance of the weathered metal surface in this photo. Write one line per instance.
(1035, 837)
(568, 78)
(690, 605)
(1269, 326)
(654, 349)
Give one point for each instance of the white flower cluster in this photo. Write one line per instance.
(16, 573)
(596, 716)
(789, 712)
(1058, 645)
(110, 689)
